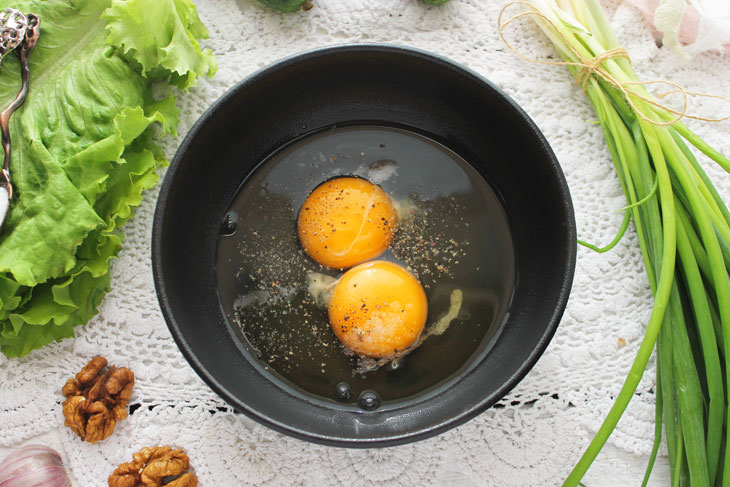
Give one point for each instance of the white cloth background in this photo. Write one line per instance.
(546, 421)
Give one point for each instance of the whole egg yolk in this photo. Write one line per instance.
(378, 309)
(346, 221)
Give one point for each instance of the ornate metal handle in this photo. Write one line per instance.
(18, 33)
(13, 26)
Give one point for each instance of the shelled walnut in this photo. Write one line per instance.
(96, 399)
(158, 466)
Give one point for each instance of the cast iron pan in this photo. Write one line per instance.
(341, 85)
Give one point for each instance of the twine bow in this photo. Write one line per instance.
(595, 67)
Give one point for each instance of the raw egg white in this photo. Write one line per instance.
(378, 309)
(346, 221)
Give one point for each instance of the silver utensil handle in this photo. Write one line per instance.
(13, 27)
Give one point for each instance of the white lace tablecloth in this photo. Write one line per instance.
(546, 421)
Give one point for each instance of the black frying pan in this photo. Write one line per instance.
(339, 85)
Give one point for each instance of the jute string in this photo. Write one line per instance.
(588, 68)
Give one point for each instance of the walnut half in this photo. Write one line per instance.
(151, 467)
(96, 399)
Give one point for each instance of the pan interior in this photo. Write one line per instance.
(453, 235)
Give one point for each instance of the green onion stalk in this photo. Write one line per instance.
(683, 228)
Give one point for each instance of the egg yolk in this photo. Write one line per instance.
(378, 309)
(346, 221)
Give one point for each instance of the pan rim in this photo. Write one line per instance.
(537, 350)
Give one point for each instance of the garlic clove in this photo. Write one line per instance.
(39, 477)
(33, 466)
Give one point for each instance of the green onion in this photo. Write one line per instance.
(683, 228)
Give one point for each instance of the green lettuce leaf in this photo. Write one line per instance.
(50, 218)
(168, 43)
(85, 150)
(31, 337)
(9, 298)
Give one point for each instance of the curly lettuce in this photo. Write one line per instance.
(84, 151)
